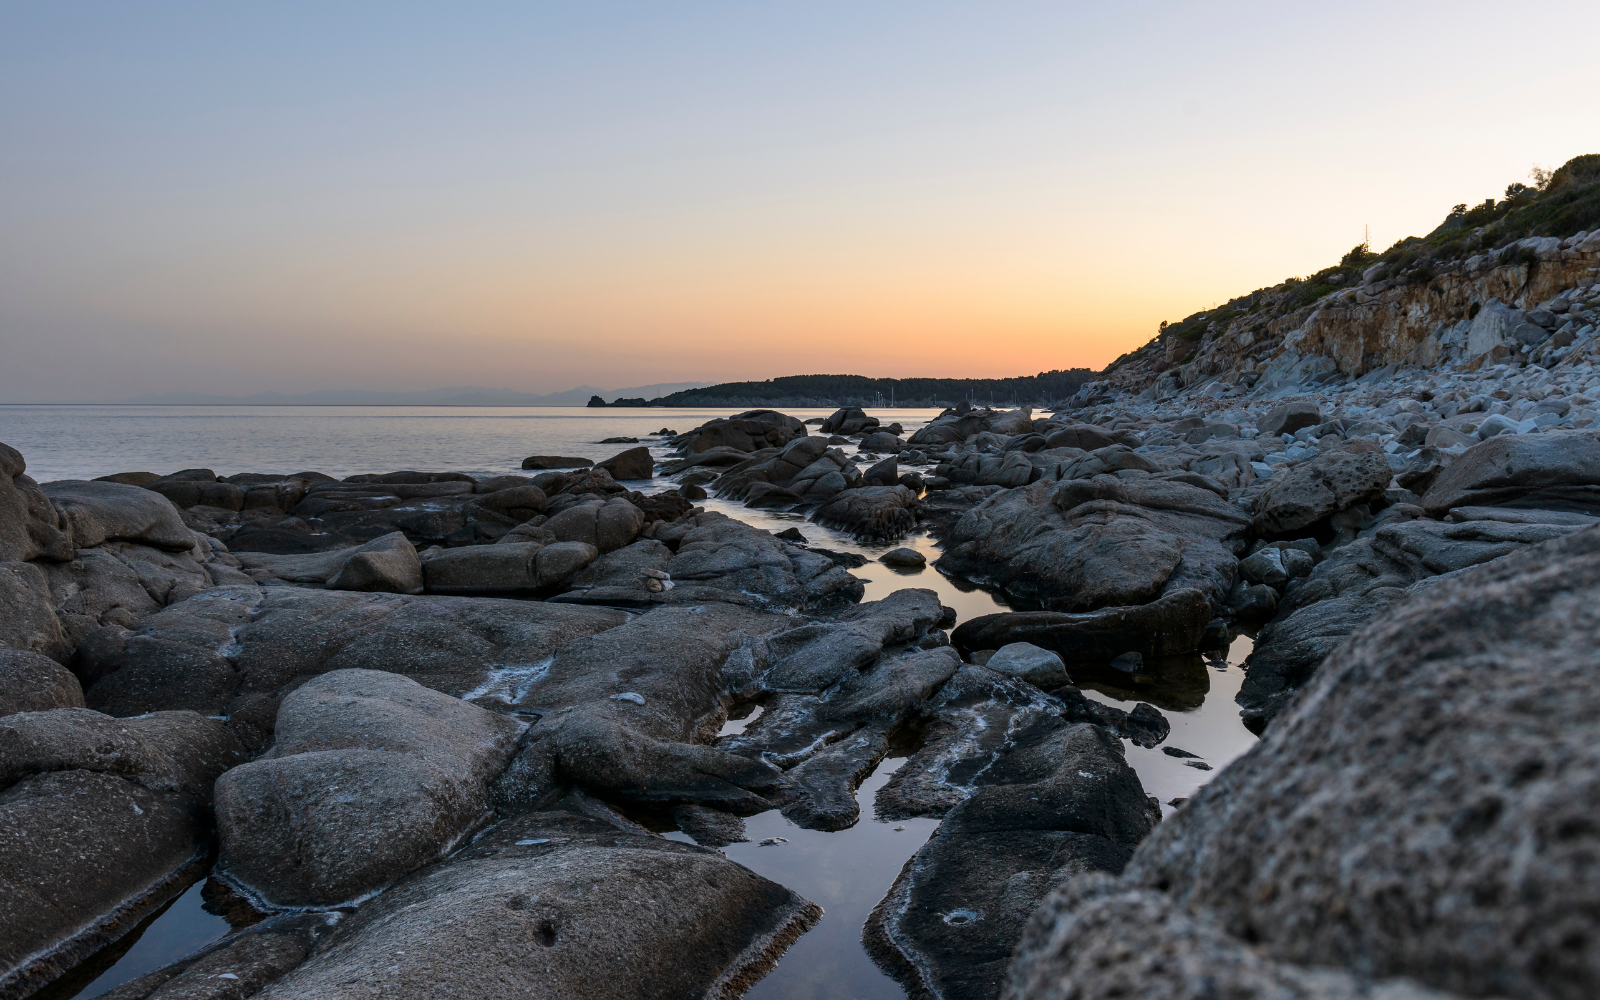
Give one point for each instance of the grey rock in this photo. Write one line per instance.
(32, 682)
(1039, 667)
(903, 559)
(882, 473)
(1556, 470)
(237, 966)
(371, 777)
(558, 904)
(30, 528)
(1316, 490)
(872, 513)
(1461, 719)
(1061, 802)
(883, 443)
(1173, 623)
(747, 432)
(608, 525)
(710, 827)
(87, 856)
(1103, 542)
(235, 651)
(635, 463)
(98, 512)
(848, 421)
(1286, 418)
(669, 664)
(27, 613)
(164, 751)
(504, 568)
(555, 462)
(388, 564)
(1096, 937)
(1356, 583)
(817, 655)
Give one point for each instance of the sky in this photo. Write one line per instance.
(236, 198)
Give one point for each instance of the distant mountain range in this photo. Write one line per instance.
(466, 395)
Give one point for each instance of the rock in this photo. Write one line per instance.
(517, 914)
(371, 777)
(635, 463)
(1286, 418)
(236, 651)
(1103, 542)
(1357, 582)
(131, 850)
(504, 568)
(619, 712)
(1556, 470)
(721, 559)
(806, 467)
(519, 502)
(1174, 623)
(710, 827)
(815, 656)
(903, 559)
(884, 473)
(27, 614)
(1314, 491)
(238, 965)
(879, 513)
(1061, 803)
(1128, 663)
(849, 421)
(129, 478)
(1009, 469)
(1461, 719)
(32, 682)
(1096, 937)
(882, 442)
(607, 525)
(554, 462)
(1266, 566)
(98, 512)
(747, 432)
(1421, 471)
(30, 528)
(388, 563)
(1039, 667)
(125, 801)
(1085, 436)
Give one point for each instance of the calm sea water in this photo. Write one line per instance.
(845, 872)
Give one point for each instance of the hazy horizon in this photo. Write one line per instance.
(230, 199)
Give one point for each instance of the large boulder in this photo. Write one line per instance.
(32, 682)
(621, 712)
(97, 512)
(28, 618)
(849, 421)
(504, 567)
(1556, 470)
(1060, 803)
(1081, 545)
(1429, 799)
(635, 463)
(871, 513)
(105, 821)
(806, 468)
(371, 777)
(30, 528)
(559, 903)
(1357, 582)
(749, 431)
(1286, 418)
(1173, 623)
(1303, 499)
(608, 525)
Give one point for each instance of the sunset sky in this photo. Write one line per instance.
(232, 198)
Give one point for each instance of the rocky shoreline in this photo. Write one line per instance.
(425, 730)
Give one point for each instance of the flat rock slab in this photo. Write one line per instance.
(559, 905)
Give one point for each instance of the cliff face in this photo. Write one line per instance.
(1521, 301)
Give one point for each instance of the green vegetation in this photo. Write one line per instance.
(1559, 203)
(858, 390)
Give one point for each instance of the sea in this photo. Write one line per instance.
(845, 872)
